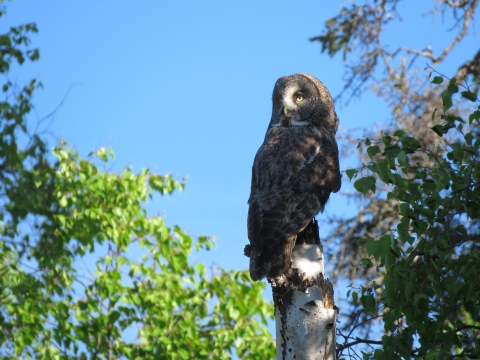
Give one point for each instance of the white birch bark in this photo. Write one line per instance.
(304, 310)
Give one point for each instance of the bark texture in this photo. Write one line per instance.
(305, 313)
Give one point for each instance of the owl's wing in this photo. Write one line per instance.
(275, 237)
(333, 176)
(272, 190)
(282, 202)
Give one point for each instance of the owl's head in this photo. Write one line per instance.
(302, 99)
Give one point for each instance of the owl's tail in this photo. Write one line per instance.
(258, 269)
(273, 261)
(280, 261)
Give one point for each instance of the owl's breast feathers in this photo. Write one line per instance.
(293, 174)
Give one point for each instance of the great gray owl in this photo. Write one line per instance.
(293, 173)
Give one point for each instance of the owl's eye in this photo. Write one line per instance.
(299, 98)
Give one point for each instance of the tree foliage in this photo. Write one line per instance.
(415, 239)
(87, 273)
(430, 261)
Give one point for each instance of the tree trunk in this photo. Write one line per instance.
(305, 314)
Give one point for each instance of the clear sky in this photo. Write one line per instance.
(185, 88)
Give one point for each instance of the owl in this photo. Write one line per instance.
(293, 173)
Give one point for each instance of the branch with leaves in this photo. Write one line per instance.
(429, 288)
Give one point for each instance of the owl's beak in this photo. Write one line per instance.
(284, 119)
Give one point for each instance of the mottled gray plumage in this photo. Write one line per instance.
(293, 173)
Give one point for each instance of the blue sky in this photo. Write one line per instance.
(185, 88)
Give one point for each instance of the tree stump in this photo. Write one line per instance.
(305, 313)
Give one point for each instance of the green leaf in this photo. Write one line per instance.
(365, 184)
(469, 95)
(351, 173)
(409, 287)
(402, 158)
(373, 150)
(111, 153)
(452, 85)
(438, 129)
(379, 248)
(475, 116)
(417, 297)
(437, 80)
(354, 297)
(63, 201)
(447, 100)
(114, 316)
(367, 263)
(102, 154)
(368, 303)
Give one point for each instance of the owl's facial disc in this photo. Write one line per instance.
(290, 103)
(295, 100)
